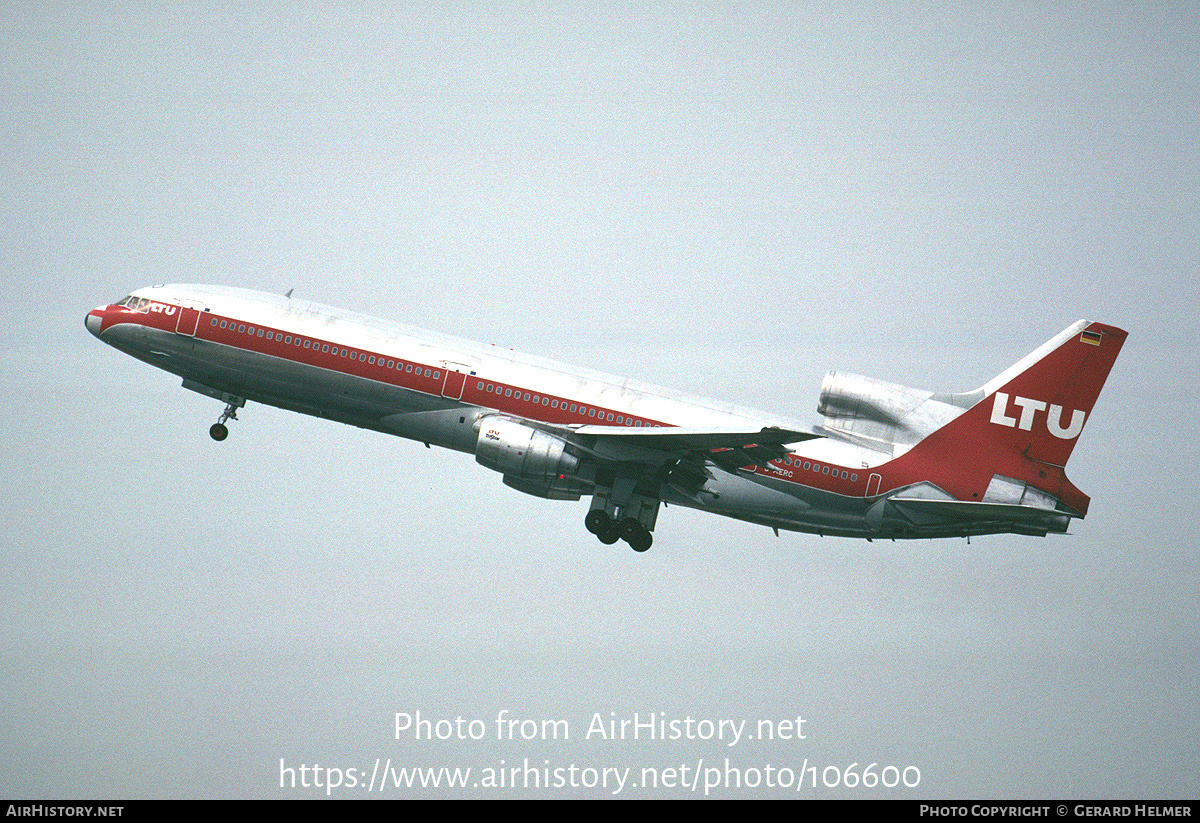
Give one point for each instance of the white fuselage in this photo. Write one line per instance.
(435, 388)
(561, 432)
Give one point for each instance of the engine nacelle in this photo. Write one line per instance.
(881, 415)
(565, 489)
(523, 453)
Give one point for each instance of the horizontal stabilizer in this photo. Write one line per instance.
(1043, 520)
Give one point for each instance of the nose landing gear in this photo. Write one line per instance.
(219, 431)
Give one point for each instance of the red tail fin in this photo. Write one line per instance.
(1040, 406)
(1020, 428)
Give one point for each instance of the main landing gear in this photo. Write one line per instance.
(622, 512)
(619, 511)
(599, 523)
(219, 431)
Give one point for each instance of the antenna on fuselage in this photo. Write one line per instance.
(288, 293)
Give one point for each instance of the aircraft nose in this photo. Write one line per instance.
(93, 320)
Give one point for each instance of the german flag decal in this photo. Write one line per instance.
(1092, 337)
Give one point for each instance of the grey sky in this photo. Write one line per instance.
(728, 199)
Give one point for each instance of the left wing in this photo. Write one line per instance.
(728, 448)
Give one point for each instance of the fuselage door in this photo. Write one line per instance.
(456, 379)
(189, 319)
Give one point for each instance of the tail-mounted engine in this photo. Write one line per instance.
(530, 459)
(884, 416)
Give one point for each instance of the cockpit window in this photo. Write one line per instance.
(135, 303)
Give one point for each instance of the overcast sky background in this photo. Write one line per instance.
(729, 199)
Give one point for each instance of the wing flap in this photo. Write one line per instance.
(727, 448)
(680, 439)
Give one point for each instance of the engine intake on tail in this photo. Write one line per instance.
(881, 415)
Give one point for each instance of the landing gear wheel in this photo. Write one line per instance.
(217, 431)
(630, 528)
(635, 534)
(610, 535)
(597, 521)
(641, 542)
(608, 530)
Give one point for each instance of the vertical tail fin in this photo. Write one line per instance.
(1018, 430)
(1040, 405)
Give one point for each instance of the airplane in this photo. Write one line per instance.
(887, 461)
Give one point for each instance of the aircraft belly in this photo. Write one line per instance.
(450, 428)
(779, 504)
(290, 385)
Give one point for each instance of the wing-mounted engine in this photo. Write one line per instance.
(882, 416)
(531, 460)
